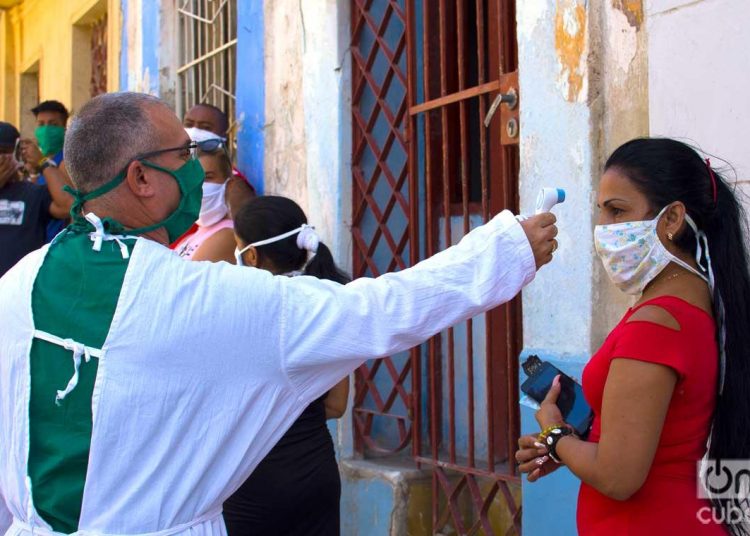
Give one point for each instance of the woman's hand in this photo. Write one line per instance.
(532, 458)
(548, 413)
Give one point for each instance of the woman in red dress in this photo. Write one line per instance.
(672, 233)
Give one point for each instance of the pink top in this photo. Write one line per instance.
(189, 245)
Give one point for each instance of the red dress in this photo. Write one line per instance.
(668, 502)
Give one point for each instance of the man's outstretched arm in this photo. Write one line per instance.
(328, 330)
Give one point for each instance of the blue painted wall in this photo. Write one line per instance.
(250, 91)
(150, 42)
(124, 47)
(366, 506)
(554, 496)
(150, 22)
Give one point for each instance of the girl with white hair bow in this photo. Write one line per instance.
(296, 489)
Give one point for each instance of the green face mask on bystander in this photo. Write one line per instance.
(50, 139)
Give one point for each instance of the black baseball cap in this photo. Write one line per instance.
(8, 134)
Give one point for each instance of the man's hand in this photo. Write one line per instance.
(541, 232)
(31, 154)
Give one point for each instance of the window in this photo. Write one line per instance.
(207, 58)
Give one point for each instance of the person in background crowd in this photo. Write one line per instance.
(672, 376)
(25, 208)
(296, 489)
(43, 157)
(214, 239)
(209, 117)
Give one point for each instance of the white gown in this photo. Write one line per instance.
(206, 366)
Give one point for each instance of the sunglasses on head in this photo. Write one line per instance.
(209, 146)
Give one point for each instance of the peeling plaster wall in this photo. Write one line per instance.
(285, 162)
(307, 131)
(619, 108)
(699, 74)
(327, 112)
(556, 150)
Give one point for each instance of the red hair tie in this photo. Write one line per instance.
(713, 177)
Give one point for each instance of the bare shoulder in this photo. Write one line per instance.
(655, 315)
(217, 247)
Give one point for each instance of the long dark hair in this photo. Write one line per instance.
(268, 216)
(666, 171)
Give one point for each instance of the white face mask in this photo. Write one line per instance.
(633, 255)
(307, 239)
(213, 205)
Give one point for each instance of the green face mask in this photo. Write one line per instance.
(50, 139)
(189, 177)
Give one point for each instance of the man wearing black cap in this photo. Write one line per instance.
(25, 208)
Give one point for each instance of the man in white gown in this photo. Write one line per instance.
(138, 390)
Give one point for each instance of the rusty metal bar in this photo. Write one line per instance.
(504, 476)
(415, 408)
(483, 103)
(491, 325)
(433, 369)
(464, 134)
(447, 224)
(458, 96)
(360, 261)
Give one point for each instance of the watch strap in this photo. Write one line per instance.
(551, 439)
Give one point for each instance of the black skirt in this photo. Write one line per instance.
(296, 489)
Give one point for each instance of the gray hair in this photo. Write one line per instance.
(106, 135)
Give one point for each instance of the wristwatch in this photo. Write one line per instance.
(552, 437)
(47, 162)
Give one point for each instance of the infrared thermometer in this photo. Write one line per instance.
(548, 198)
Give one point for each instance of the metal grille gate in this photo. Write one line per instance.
(425, 171)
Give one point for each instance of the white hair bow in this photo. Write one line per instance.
(308, 239)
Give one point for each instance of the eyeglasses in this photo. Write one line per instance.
(190, 151)
(209, 146)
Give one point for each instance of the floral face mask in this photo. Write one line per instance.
(633, 255)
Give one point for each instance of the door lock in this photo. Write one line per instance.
(510, 98)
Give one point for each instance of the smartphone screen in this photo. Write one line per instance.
(573, 406)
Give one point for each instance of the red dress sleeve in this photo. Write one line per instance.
(653, 343)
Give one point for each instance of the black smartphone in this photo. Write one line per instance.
(573, 406)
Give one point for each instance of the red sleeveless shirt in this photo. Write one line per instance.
(668, 502)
